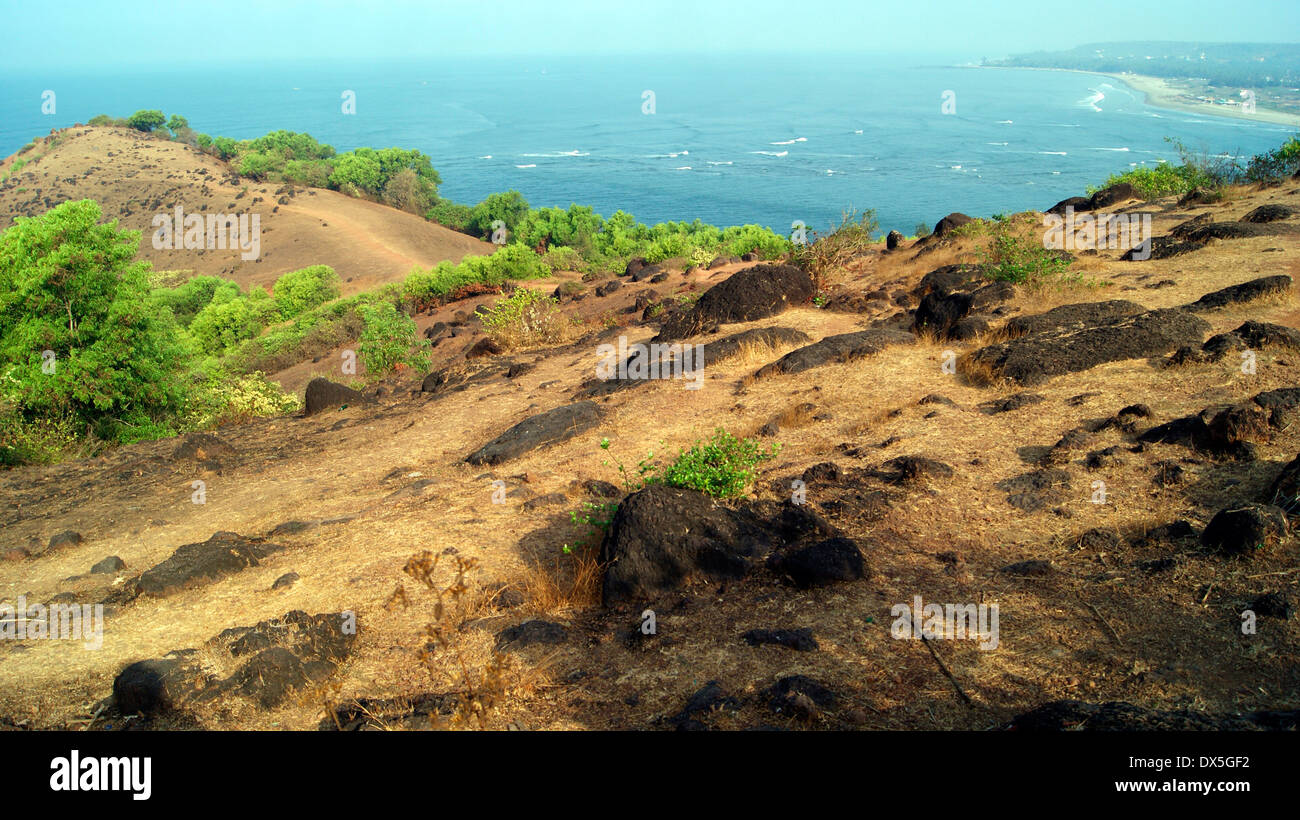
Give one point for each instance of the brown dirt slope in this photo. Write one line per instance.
(1131, 612)
(133, 177)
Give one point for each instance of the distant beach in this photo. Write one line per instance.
(1162, 93)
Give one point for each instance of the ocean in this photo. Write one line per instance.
(729, 139)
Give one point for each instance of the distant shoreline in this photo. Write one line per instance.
(1158, 93)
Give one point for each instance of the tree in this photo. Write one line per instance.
(408, 191)
(73, 299)
(146, 120)
(510, 207)
(302, 290)
(176, 123)
(255, 166)
(356, 172)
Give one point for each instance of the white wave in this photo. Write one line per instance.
(1110, 149)
(574, 153)
(1054, 153)
(995, 143)
(1091, 102)
(1005, 122)
(682, 168)
(859, 131)
(532, 165)
(1056, 173)
(771, 153)
(486, 156)
(955, 167)
(726, 162)
(790, 142)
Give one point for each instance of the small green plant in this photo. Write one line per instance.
(644, 468)
(723, 467)
(388, 340)
(1016, 259)
(595, 518)
(829, 253)
(524, 319)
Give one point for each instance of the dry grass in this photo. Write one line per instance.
(1177, 648)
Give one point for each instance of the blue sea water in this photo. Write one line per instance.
(731, 140)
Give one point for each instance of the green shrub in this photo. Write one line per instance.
(1012, 258)
(509, 207)
(450, 214)
(255, 166)
(301, 290)
(524, 319)
(186, 300)
(562, 258)
(1280, 163)
(71, 286)
(724, 466)
(1164, 179)
(221, 398)
(222, 325)
(515, 261)
(388, 340)
(146, 121)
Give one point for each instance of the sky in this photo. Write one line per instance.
(98, 34)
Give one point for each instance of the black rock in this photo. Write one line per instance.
(830, 561)
(532, 632)
(109, 565)
(1244, 530)
(798, 639)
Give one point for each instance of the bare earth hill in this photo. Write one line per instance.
(1099, 464)
(134, 177)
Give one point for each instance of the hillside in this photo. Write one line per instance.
(968, 485)
(134, 177)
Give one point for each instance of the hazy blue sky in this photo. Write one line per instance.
(72, 34)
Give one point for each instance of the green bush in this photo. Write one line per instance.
(515, 261)
(301, 290)
(1011, 258)
(388, 340)
(186, 300)
(450, 214)
(1280, 163)
(221, 398)
(255, 166)
(146, 120)
(723, 467)
(562, 258)
(1164, 179)
(222, 325)
(524, 319)
(510, 207)
(71, 286)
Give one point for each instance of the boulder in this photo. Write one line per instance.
(225, 553)
(1244, 292)
(542, 430)
(1245, 529)
(322, 394)
(662, 536)
(843, 347)
(1039, 355)
(753, 293)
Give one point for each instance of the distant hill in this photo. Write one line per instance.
(1243, 64)
(134, 177)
